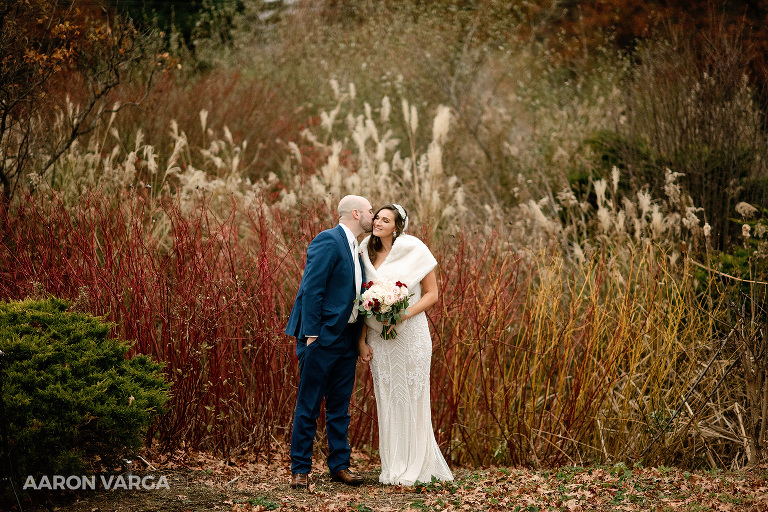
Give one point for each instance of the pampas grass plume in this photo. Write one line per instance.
(386, 108)
(441, 124)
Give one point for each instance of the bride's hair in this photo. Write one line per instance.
(374, 244)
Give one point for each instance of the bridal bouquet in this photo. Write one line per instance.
(384, 300)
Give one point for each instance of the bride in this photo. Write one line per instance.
(400, 367)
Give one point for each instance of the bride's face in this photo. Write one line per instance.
(384, 224)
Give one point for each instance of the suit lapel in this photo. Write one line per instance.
(341, 238)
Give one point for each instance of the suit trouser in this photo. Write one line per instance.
(324, 372)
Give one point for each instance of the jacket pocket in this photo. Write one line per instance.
(331, 309)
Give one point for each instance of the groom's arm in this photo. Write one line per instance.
(320, 255)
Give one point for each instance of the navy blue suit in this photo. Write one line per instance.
(327, 366)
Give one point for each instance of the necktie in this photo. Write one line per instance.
(358, 278)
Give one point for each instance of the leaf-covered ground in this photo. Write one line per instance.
(199, 482)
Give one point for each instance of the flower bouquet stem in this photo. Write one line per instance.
(388, 332)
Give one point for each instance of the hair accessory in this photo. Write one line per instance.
(403, 215)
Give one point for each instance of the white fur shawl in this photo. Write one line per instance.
(408, 261)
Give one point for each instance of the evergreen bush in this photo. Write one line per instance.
(72, 400)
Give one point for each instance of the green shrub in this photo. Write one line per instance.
(73, 402)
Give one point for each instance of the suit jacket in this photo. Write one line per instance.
(327, 290)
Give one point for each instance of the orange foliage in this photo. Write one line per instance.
(630, 20)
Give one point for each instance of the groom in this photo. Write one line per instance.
(326, 326)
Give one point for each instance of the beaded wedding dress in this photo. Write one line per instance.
(400, 371)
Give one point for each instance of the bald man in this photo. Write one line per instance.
(326, 326)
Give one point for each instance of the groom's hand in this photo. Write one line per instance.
(311, 339)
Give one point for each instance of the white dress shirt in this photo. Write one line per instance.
(358, 271)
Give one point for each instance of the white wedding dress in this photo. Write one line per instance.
(400, 370)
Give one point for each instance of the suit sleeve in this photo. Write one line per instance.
(320, 259)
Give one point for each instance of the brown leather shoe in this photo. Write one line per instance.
(347, 477)
(300, 480)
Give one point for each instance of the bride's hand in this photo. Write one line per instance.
(403, 317)
(366, 353)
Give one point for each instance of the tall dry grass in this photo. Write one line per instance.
(536, 362)
(207, 298)
(546, 364)
(694, 108)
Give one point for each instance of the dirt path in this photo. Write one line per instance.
(201, 483)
